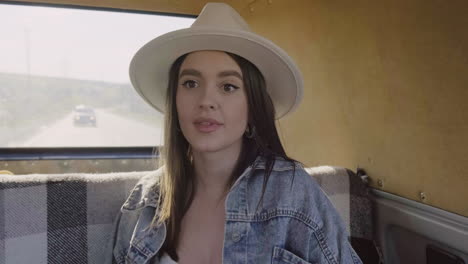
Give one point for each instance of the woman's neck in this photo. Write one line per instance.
(213, 170)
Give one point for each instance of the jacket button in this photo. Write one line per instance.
(236, 237)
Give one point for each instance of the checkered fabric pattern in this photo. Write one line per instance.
(350, 195)
(60, 219)
(68, 218)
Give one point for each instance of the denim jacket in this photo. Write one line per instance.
(296, 223)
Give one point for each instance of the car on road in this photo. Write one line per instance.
(84, 115)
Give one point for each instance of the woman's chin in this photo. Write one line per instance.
(206, 148)
(214, 146)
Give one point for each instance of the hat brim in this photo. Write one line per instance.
(149, 68)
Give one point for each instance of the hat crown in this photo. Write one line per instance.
(218, 27)
(220, 15)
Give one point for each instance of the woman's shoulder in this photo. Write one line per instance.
(145, 193)
(281, 168)
(278, 163)
(290, 186)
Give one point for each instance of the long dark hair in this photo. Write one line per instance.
(176, 186)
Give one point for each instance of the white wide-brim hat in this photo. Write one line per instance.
(218, 27)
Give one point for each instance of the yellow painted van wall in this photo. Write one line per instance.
(386, 86)
(386, 89)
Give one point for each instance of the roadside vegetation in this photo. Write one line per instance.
(29, 104)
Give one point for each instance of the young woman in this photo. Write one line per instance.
(227, 192)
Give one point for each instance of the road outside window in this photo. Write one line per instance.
(64, 77)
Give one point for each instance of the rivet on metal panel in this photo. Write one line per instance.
(96, 162)
(33, 163)
(65, 163)
(6, 164)
(422, 196)
(124, 162)
(380, 183)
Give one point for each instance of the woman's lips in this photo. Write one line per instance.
(207, 127)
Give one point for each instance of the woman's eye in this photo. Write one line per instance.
(230, 88)
(190, 84)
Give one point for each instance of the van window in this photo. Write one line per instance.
(64, 77)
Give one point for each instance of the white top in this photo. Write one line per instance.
(165, 259)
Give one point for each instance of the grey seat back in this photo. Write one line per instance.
(350, 194)
(68, 218)
(59, 218)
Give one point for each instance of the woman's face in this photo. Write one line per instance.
(211, 101)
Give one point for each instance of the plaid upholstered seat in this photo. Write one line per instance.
(350, 195)
(68, 218)
(59, 218)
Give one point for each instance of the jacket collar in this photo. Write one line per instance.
(145, 194)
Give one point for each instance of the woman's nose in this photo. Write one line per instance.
(208, 100)
(210, 106)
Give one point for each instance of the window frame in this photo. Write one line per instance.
(83, 153)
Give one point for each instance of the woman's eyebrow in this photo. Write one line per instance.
(190, 72)
(230, 73)
(196, 73)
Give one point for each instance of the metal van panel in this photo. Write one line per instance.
(404, 228)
